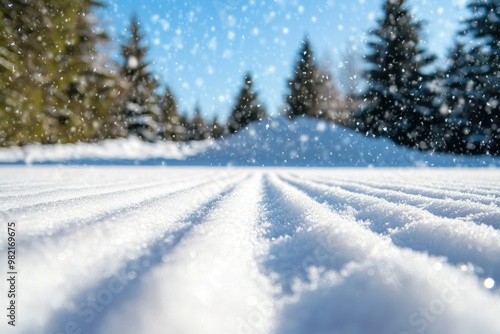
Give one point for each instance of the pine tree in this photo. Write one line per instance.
(304, 96)
(247, 108)
(141, 107)
(198, 129)
(456, 104)
(169, 117)
(477, 71)
(55, 89)
(398, 99)
(183, 128)
(312, 90)
(13, 115)
(216, 129)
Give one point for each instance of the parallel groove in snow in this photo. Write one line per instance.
(78, 190)
(255, 250)
(362, 247)
(428, 193)
(466, 207)
(139, 267)
(227, 241)
(425, 188)
(126, 237)
(461, 242)
(92, 209)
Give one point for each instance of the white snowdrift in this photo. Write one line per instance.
(277, 142)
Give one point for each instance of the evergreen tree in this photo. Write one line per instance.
(183, 128)
(247, 108)
(141, 106)
(304, 96)
(217, 130)
(312, 90)
(456, 106)
(169, 117)
(398, 98)
(476, 73)
(198, 129)
(54, 88)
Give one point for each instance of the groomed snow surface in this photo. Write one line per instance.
(248, 250)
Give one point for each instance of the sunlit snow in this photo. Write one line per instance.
(242, 250)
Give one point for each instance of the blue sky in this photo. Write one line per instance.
(202, 48)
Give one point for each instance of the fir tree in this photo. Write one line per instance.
(183, 128)
(198, 128)
(398, 99)
(456, 105)
(169, 117)
(312, 91)
(477, 71)
(141, 107)
(216, 129)
(247, 108)
(304, 96)
(54, 87)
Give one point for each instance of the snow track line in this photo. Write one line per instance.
(297, 239)
(434, 193)
(131, 273)
(486, 183)
(388, 214)
(376, 268)
(118, 241)
(54, 188)
(420, 191)
(460, 241)
(77, 179)
(281, 251)
(57, 195)
(296, 243)
(449, 208)
(107, 206)
(428, 179)
(431, 188)
(215, 278)
(321, 222)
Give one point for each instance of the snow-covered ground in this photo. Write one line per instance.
(275, 142)
(248, 250)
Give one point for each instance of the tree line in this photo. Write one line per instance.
(453, 109)
(408, 98)
(151, 116)
(59, 87)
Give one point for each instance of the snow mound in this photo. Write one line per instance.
(311, 142)
(275, 142)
